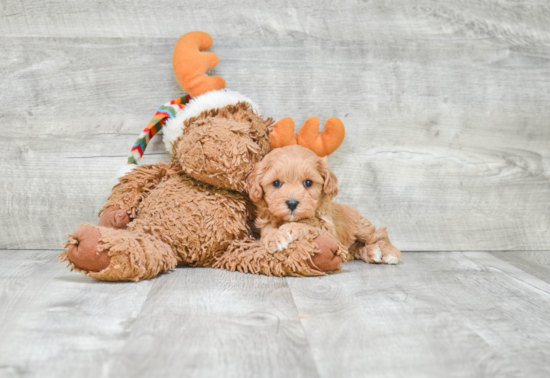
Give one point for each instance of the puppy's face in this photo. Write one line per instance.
(291, 182)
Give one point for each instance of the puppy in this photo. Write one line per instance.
(293, 190)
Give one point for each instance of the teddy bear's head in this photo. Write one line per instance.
(219, 145)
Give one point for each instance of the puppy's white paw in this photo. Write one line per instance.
(376, 255)
(276, 241)
(283, 243)
(295, 231)
(371, 254)
(390, 254)
(391, 259)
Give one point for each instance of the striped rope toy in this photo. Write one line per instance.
(165, 112)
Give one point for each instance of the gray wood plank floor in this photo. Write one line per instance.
(451, 314)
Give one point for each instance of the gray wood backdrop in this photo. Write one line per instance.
(446, 105)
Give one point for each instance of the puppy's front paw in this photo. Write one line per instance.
(295, 231)
(275, 241)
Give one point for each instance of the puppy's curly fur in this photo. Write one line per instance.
(293, 190)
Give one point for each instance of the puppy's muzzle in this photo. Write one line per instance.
(292, 204)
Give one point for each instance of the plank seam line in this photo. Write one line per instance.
(508, 274)
(114, 156)
(32, 249)
(303, 328)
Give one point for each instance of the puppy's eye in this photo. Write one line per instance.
(308, 183)
(277, 184)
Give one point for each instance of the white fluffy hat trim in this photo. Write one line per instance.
(210, 100)
(122, 170)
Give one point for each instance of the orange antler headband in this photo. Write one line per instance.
(323, 143)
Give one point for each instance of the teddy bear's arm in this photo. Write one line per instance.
(135, 186)
(312, 255)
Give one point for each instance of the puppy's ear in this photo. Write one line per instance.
(330, 186)
(255, 190)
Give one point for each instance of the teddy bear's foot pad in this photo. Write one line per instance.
(325, 260)
(87, 252)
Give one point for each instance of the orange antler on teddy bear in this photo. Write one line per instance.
(191, 64)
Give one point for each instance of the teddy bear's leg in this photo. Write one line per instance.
(133, 188)
(117, 255)
(310, 256)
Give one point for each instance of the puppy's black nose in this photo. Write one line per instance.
(292, 204)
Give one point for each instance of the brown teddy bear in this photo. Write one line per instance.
(195, 210)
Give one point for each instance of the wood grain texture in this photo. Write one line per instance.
(350, 20)
(445, 105)
(437, 314)
(536, 263)
(211, 323)
(54, 323)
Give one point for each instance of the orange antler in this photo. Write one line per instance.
(323, 144)
(191, 64)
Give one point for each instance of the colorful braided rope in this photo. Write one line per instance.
(166, 111)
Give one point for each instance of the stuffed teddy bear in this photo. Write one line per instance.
(195, 210)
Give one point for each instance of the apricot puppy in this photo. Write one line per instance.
(293, 190)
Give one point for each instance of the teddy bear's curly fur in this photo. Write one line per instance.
(193, 211)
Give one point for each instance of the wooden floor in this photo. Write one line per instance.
(452, 314)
